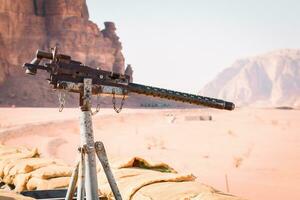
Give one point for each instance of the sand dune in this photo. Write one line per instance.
(257, 149)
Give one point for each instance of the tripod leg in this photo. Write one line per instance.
(101, 153)
(80, 185)
(72, 185)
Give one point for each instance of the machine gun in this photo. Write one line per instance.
(69, 74)
(73, 76)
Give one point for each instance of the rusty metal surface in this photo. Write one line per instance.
(101, 153)
(87, 140)
(72, 185)
(96, 89)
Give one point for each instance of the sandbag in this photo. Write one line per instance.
(130, 180)
(3, 164)
(52, 171)
(5, 151)
(139, 162)
(20, 155)
(8, 161)
(180, 191)
(20, 182)
(23, 166)
(47, 184)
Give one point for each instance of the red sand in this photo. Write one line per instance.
(258, 149)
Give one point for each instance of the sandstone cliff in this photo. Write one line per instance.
(28, 25)
(272, 79)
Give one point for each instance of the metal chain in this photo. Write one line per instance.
(118, 110)
(98, 105)
(61, 100)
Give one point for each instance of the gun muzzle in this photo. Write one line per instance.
(229, 106)
(30, 70)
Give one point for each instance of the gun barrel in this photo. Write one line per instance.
(44, 54)
(179, 96)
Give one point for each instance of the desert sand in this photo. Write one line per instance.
(258, 150)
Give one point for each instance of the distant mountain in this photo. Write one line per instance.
(272, 79)
(28, 25)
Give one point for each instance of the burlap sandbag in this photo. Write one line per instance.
(190, 190)
(3, 164)
(10, 150)
(20, 182)
(47, 184)
(139, 162)
(8, 161)
(23, 166)
(9, 195)
(52, 171)
(20, 155)
(130, 180)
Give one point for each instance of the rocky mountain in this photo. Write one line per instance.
(28, 25)
(272, 79)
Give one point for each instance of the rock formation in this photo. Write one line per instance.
(28, 25)
(272, 79)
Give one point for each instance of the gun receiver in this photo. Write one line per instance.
(68, 74)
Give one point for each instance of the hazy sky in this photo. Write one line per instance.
(183, 44)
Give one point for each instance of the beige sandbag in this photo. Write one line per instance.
(131, 180)
(121, 173)
(9, 195)
(30, 164)
(24, 166)
(141, 163)
(20, 182)
(7, 161)
(20, 155)
(4, 151)
(3, 164)
(180, 191)
(47, 184)
(52, 171)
